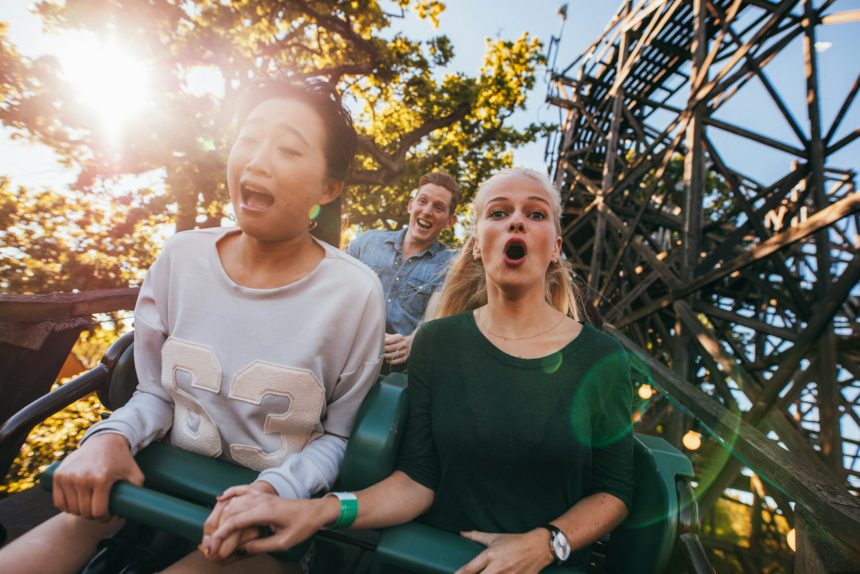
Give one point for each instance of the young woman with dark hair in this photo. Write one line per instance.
(254, 344)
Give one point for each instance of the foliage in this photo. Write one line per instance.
(48, 442)
(727, 532)
(167, 166)
(413, 115)
(60, 433)
(55, 241)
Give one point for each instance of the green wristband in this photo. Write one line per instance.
(348, 509)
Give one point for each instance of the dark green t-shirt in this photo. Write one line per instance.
(509, 444)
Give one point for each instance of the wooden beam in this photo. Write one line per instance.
(714, 87)
(747, 384)
(644, 250)
(786, 113)
(772, 196)
(33, 308)
(843, 142)
(750, 322)
(829, 396)
(819, 221)
(654, 27)
(732, 83)
(640, 286)
(837, 509)
(597, 254)
(846, 17)
(755, 218)
(849, 99)
(751, 135)
(694, 159)
(822, 315)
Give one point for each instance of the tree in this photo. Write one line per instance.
(412, 115)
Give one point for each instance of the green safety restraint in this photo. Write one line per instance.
(181, 487)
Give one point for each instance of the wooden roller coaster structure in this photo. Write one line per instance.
(738, 284)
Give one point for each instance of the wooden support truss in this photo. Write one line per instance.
(741, 282)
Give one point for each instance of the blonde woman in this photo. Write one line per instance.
(519, 424)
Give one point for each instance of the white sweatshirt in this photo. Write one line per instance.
(268, 378)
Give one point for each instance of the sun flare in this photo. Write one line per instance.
(106, 76)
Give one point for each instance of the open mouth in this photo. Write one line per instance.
(515, 249)
(423, 223)
(255, 198)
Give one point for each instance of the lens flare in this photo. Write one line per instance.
(603, 392)
(552, 363)
(692, 440)
(314, 212)
(107, 76)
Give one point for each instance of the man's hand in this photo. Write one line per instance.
(525, 553)
(83, 481)
(397, 348)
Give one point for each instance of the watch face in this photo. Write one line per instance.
(560, 546)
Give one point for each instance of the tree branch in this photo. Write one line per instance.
(393, 165)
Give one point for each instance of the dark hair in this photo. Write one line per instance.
(443, 179)
(340, 137)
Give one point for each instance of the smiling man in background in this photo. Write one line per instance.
(411, 263)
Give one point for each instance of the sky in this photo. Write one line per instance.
(467, 23)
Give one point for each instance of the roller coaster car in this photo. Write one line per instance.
(658, 535)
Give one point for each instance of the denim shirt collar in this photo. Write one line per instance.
(397, 242)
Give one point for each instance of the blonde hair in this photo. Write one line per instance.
(466, 284)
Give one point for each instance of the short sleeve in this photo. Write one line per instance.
(418, 457)
(354, 247)
(612, 435)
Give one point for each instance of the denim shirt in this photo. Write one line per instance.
(407, 284)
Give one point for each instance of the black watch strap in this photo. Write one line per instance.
(555, 531)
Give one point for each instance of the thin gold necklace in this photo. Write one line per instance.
(487, 327)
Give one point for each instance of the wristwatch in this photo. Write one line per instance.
(558, 543)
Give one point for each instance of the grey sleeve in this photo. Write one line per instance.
(148, 415)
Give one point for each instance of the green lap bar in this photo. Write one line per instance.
(422, 549)
(165, 512)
